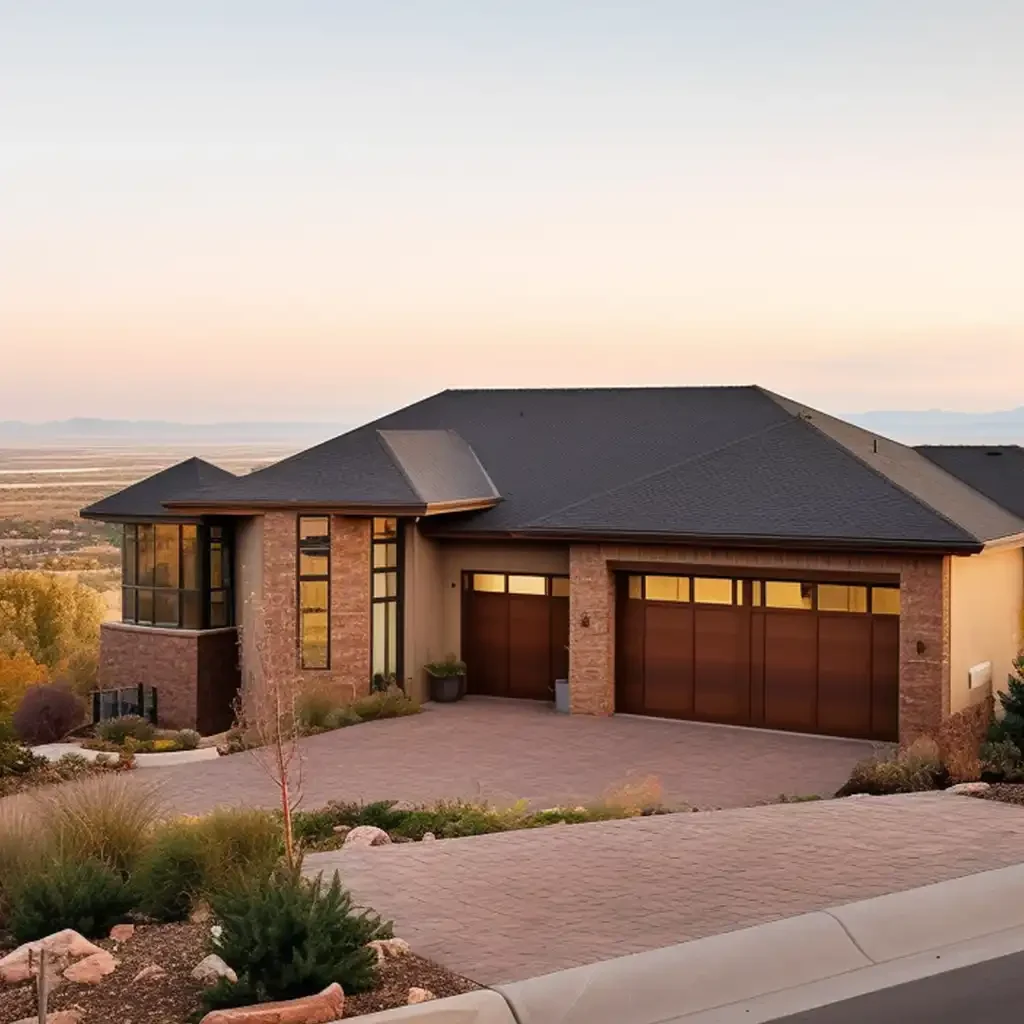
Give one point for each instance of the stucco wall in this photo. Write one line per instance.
(986, 600)
(433, 588)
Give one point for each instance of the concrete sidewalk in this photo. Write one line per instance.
(505, 907)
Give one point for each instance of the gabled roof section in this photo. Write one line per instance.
(997, 471)
(440, 467)
(145, 500)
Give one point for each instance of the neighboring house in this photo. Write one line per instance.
(720, 554)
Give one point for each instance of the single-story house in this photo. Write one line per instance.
(717, 554)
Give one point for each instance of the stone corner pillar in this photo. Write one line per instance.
(591, 631)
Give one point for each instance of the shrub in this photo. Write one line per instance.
(1002, 760)
(18, 672)
(85, 894)
(343, 717)
(915, 769)
(17, 759)
(393, 703)
(188, 739)
(239, 841)
(1011, 725)
(117, 730)
(106, 818)
(315, 711)
(287, 936)
(47, 713)
(446, 669)
(635, 796)
(21, 844)
(172, 871)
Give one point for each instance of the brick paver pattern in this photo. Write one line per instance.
(504, 907)
(501, 751)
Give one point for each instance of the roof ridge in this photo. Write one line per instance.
(658, 472)
(850, 453)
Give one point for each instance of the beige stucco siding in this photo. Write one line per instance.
(986, 601)
(433, 590)
(248, 584)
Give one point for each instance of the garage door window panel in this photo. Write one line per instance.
(710, 590)
(785, 594)
(834, 597)
(667, 588)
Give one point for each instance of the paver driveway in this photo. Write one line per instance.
(510, 906)
(502, 751)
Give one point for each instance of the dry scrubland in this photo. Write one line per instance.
(43, 487)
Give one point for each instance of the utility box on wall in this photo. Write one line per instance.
(980, 676)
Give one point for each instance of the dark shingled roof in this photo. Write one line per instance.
(732, 463)
(145, 499)
(997, 471)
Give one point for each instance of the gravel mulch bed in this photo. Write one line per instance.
(1004, 792)
(174, 999)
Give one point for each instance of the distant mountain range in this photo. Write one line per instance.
(99, 430)
(929, 426)
(935, 426)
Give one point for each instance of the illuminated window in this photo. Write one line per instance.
(636, 587)
(489, 582)
(314, 572)
(559, 586)
(707, 590)
(667, 588)
(756, 586)
(885, 600)
(537, 585)
(833, 597)
(385, 602)
(789, 595)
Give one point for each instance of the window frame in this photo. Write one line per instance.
(318, 546)
(134, 592)
(392, 621)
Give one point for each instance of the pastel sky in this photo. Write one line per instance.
(322, 210)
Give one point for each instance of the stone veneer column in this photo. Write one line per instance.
(349, 674)
(591, 631)
(924, 646)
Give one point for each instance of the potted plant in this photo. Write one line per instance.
(447, 679)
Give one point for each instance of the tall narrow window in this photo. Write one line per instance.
(314, 558)
(385, 596)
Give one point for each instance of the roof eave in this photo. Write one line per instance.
(862, 544)
(125, 517)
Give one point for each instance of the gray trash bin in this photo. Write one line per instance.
(562, 695)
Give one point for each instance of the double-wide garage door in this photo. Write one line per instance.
(807, 656)
(515, 631)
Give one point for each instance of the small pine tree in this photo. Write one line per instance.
(1012, 723)
(287, 936)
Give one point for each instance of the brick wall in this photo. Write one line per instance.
(276, 617)
(924, 622)
(164, 658)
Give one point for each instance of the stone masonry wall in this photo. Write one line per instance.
(924, 622)
(277, 614)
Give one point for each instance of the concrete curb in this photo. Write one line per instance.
(888, 939)
(162, 759)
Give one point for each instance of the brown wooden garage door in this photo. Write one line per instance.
(515, 633)
(807, 656)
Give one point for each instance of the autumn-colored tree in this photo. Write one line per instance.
(17, 673)
(54, 621)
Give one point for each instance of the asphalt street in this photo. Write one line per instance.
(991, 992)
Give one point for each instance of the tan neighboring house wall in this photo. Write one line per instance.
(275, 613)
(986, 605)
(924, 622)
(433, 590)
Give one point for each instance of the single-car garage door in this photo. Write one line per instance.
(515, 633)
(783, 654)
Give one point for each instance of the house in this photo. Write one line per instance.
(719, 554)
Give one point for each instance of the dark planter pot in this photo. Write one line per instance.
(446, 689)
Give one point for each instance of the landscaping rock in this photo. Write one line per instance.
(419, 995)
(387, 949)
(341, 830)
(367, 835)
(211, 969)
(91, 969)
(122, 932)
(969, 788)
(428, 837)
(154, 972)
(322, 1008)
(23, 963)
(201, 913)
(57, 1017)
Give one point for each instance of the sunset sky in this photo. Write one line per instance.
(323, 210)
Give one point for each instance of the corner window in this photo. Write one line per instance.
(385, 602)
(176, 575)
(314, 579)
